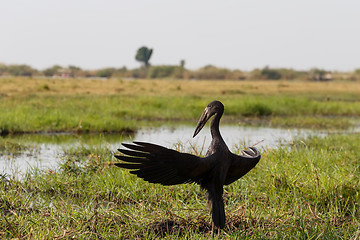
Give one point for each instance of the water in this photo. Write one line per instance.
(233, 135)
(45, 151)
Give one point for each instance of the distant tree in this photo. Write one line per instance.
(182, 63)
(355, 76)
(3, 69)
(269, 73)
(122, 70)
(75, 71)
(105, 72)
(143, 55)
(180, 71)
(21, 70)
(255, 74)
(49, 72)
(211, 72)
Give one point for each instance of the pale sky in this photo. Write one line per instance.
(236, 34)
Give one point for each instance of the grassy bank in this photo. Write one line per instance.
(308, 191)
(82, 105)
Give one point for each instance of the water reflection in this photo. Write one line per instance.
(234, 136)
(45, 151)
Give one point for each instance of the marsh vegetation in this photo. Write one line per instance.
(307, 189)
(72, 105)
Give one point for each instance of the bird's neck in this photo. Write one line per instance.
(214, 128)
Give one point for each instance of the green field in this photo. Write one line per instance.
(81, 105)
(306, 190)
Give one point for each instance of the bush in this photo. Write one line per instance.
(162, 71)
(2, 69)
(139, 72)
(211, 72)
(49, 72)
(268, 73)
(20, 70)
(105, 72)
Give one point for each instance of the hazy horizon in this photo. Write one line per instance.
(232, 34)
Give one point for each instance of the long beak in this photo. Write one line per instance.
(202, 121)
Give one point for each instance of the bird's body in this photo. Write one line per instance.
(157, 164)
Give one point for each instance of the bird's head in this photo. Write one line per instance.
(215, 107)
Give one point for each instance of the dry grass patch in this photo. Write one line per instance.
(21, 86)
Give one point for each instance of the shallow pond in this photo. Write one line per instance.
(45, 151)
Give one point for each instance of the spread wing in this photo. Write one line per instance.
(242, 164)
(157, 164)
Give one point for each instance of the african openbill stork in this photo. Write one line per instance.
(157, 164)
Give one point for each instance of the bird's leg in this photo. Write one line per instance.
(212, 230)
(215, 230)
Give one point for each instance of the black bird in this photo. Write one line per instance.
(157, 164)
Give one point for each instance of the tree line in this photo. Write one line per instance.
(207, 72)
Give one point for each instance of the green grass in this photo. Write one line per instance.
(36, 113)
(79, 105)
(309, 190)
